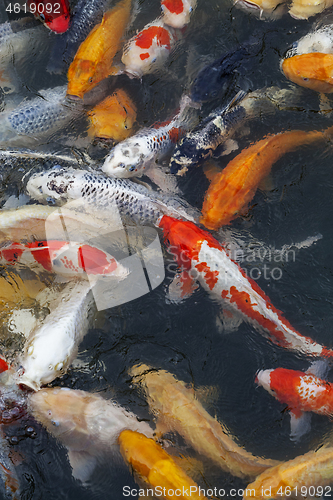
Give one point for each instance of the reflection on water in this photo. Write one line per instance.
(185, 337)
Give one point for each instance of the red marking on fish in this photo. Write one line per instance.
(95, 261)
(144, 56)
(210, 276)
(3, 365)
(12, 254)
(174, 6)
(145, 39)
(175, 134)
(54, 13)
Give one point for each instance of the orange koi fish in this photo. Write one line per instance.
(179, 410)
(146, 51)
(313, 71)
(204, 259)
(232, 189)
(93, 60)
(113, 118)
(311, 472)
(155, 466)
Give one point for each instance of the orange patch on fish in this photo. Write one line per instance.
(210, 276)
(113, 118)
(93, 60)
(174, 6)
(313, 71)
(145, 39)
(232, 189)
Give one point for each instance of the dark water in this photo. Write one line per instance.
(184, 338)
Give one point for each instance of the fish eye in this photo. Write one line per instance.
(91, 79)
(42, 17)
(305, 79)
(132, 168)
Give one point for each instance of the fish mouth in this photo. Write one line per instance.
(72, 97)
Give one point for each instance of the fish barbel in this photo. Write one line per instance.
(314, 469)
(231, 190)
(133, 200)
(85, 423)
(93, 61)
(178, 409)
(156, 467)
(205, 260)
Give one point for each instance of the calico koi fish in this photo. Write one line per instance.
(133, 156)
(314, 469)
(204, 259)
(93, 60)
(178, 409)
(155, 466)
(231, 190)
(148, 50)
(85, 423)
(113, 118)
(54, 14)
(64, 258)
(177, 13)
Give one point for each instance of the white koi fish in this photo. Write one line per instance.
(177, 13)
(85, 423)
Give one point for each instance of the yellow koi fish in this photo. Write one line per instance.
(113, 118)
(305, 476)
(313, 71)
(93, 61)
(155, 466)
(178, 409)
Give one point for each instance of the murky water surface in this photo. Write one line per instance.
(185, 338)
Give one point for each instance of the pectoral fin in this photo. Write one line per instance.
(181, 287)
(82, 464)
(228, 321)
(300, 424)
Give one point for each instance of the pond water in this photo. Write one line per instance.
(185, 338)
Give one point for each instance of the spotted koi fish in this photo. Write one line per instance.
(202, 257)
(64, 258)
(148, 50)
(177, 13)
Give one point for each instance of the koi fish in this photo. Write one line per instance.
(303, 9)
(132, 157)
(86, 14)
(302, 392)
(53, 13)
(85, 423)
(177, 13)
(214, 132)
(64, 258)
(155, 466)
(234, 187)
(264, 8)
(148, 50)
(314, 469)
(113, 118)
(132, 200)
(178, 409)
(203, 257)
(93, 61)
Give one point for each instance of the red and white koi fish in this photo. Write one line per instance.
(302, 392)
(177, 13)
(131, 157)
(147, 50)
(53, 13)
(203, 258)
(61, 257)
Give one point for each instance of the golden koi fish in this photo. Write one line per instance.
(304, 476)
(233, 188)
(313, 71)
(113, 118)
(178, 409)
(156, 467)
(93, 61)
(303, 9)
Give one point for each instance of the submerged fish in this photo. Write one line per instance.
(113, 118)
(303, 9)
(216, 76)
(212, 133)
(93, 61)
(52, 347)
(85, 423)
(205, 260)
(132, 200)
(312, 470)
(86, 14)
(261, 7)
(53, 13)
(178, 409)
(234, 187)
(133, 156)
(177, 13)
(155, 467)
(148, 50)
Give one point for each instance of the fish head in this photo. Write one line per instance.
(125, 160)
(54, 16)
(176, 13)
(81, 78)
(313, 71)
(140, 452)
(58, 24)
(281, 383)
